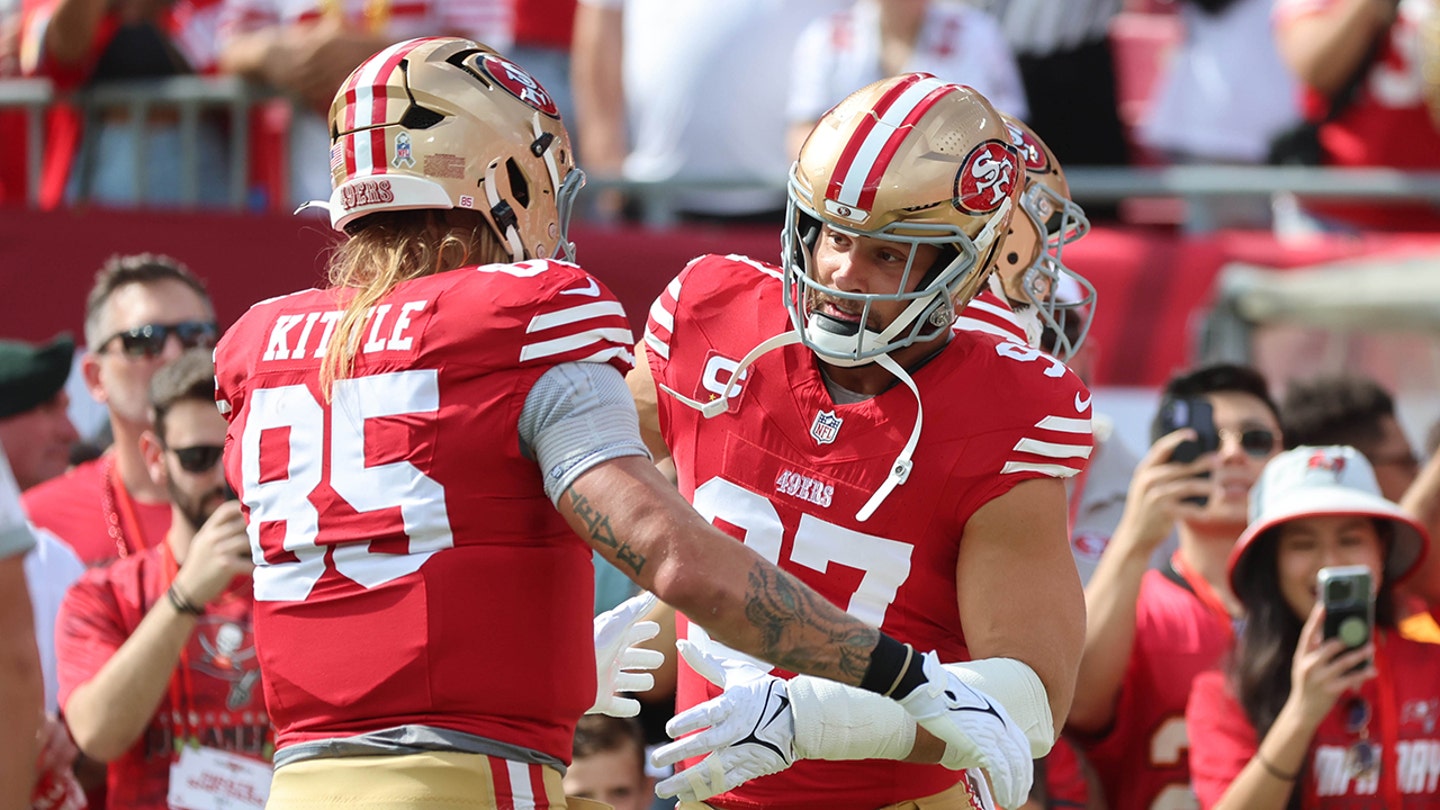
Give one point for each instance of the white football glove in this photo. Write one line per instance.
(748, 730)
(977, 732)
(617, 631)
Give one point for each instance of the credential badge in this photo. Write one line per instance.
(825, 427)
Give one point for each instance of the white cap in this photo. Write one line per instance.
(1322, 482)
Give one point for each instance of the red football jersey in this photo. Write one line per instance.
(1143, 761)
(786, 470)
(991, 313)
(214, 698)
(1223, 741)
(411, 568)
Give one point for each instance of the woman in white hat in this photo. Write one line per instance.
(1296, 720)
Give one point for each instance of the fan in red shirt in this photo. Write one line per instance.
(1297, 719)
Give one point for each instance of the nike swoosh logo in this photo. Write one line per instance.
(989, 709)
(593, 290)
(1081, 405)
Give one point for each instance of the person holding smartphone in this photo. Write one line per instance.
(1323, 703)
(1151, 630)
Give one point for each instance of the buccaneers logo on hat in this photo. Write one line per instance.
(1331, 463)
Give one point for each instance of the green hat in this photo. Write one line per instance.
(32, 375)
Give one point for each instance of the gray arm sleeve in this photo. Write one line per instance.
(578, 415)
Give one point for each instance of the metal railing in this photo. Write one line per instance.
(188, 96)
(1202, 188)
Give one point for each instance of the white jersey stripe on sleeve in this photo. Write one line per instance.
(1053, 470)
(606, 355)
(1053, 449)
(657, 345)
(570, 315)
(966, 324)
(661, 314)
(549, 348)
(1064, 424)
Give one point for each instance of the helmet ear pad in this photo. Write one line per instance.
(1020, 248)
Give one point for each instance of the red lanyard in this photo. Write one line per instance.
(121, 519)
(182, 671)
(1206, 594)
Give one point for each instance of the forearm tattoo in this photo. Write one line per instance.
(802, 632)
(597, 523)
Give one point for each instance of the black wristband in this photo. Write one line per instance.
(181, 604)
(895, 669)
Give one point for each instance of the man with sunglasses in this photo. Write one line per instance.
(142, 312)
(1149, 632)
(158, 675)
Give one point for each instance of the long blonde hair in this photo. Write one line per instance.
(386, 249)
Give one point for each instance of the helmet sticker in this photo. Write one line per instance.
(1030, 152)
(519, 83)
(443, 164)
(986, 178)
(402, 151)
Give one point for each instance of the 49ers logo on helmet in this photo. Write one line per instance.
(519, 83)
(986, 179)
(1030, 151)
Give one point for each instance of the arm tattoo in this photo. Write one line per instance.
(598, 524)
(791, 617)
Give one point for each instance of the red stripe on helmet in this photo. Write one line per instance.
(374, 108)
(867, 123)
(892, 144)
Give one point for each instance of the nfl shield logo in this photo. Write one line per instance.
(825, 426)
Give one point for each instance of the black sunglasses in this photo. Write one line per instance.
(1256, 442)
(200, 458)
(149, 340)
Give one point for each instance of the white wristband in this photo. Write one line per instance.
(838, 722)
(1015, 686)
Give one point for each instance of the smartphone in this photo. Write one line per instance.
(1196, 414)
(1349, 599)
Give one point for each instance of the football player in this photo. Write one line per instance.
(417, 447)
(793, 402)
(1023, 296)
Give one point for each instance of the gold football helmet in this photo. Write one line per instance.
(913, 160)
(444, 122)
(1029, 270)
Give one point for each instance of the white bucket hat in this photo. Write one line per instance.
(1322, 482)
